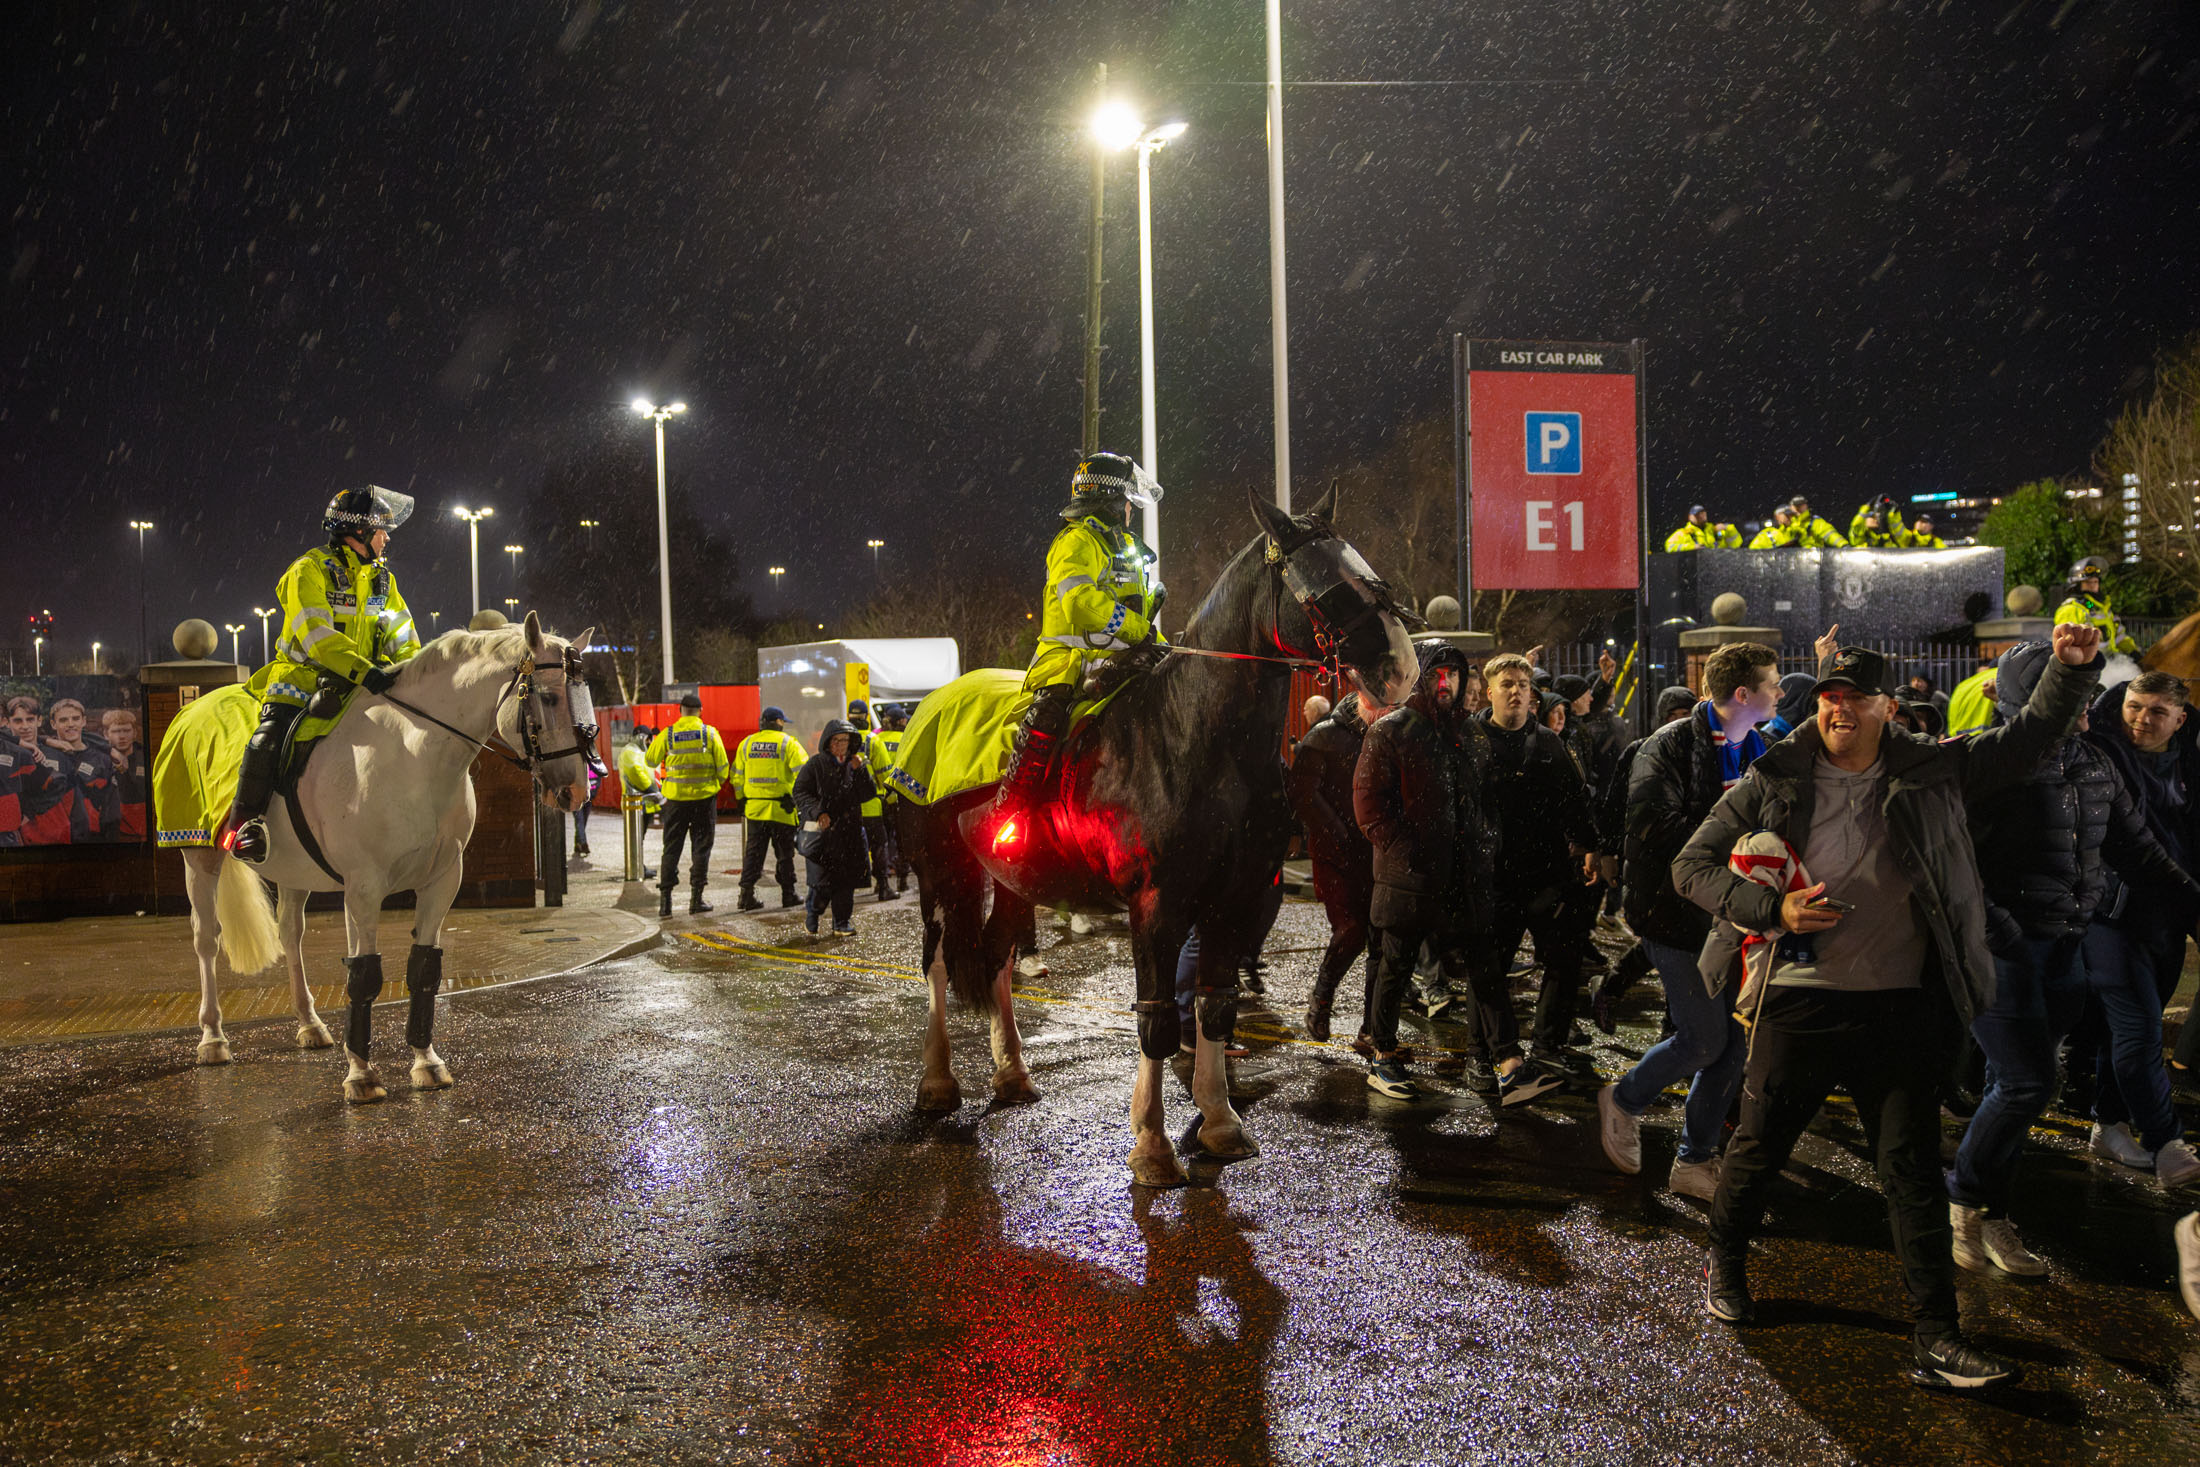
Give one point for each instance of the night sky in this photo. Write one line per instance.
(261, 251)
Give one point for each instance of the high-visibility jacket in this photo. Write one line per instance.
(1776, 536)
(693, 757)
(1970, 706)
(2086, 610)
(1692, 536)
(885, 747)
(1893, 531)
(763, 776)
(341, 613)
(1916, 541)
(1101, 597)
(1816, 534)
(634, 769)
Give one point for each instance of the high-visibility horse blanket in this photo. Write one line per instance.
(961, 735)
(195, 772)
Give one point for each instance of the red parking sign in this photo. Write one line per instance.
(1552, 469)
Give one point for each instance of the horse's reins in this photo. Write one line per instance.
(521, 685)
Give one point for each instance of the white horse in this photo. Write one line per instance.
(387, 797)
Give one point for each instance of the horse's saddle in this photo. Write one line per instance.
(195, 772)
(961, 735)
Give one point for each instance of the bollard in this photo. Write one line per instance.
(630, 819)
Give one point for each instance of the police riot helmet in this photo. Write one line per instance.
(1107, 481)
(2088, 569)
(772, 715)
(363, 511)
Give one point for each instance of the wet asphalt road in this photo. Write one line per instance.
(680, 1208)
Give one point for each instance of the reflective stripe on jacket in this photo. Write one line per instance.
(693, 758)
(885, 749)
(342, 613)
(764, 772)
(1101, 593)
(2094, 611)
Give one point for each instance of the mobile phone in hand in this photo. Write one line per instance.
(1833, 904)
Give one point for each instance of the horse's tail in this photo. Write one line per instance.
(250, 939)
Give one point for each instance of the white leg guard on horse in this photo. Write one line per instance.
(938, 1090)
(1011, 1081)
(290, 918)
(1153, 1159)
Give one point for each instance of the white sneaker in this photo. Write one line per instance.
(2008, 1250)
(2176, 1164)
(1620, 1132)
(2118, 1144)
(1031, 966)
(2188, 1261)
(1697, 1179)
(1969, 1247)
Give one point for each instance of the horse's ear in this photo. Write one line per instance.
(584, 641)
(1273, 521)
(534, 632)
(1326, 507)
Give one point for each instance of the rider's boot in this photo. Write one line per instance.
(244, 832)
(1029, 761)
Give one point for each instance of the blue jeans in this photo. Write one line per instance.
(1706, 1042)
(2039, 991)
(2132, 1085)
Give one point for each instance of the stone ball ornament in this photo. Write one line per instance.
(1728, 609)
(1442, 614)
(195, 638)
(2024, 601)
(488, 621)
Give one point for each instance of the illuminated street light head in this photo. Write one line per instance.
(1168, 132)
(644, 406)
(1115, 125)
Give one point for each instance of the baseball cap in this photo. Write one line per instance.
(1859, 668)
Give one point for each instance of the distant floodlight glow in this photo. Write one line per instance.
(644, 406)
(1168, 132)
(1115, 125)
(678, 407)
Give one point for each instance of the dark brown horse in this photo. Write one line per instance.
(1170, 807)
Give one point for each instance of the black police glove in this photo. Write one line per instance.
(379, 679)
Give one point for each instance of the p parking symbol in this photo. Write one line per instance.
(1554, 443)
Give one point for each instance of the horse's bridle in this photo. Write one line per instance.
(1339, 592)
(521, 686)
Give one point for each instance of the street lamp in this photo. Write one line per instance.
(513, 551)
(590, 527)
(473, 519)
(1152, 143)
(511, 607)
(648, 409)
(874, 544)
(95, 659)
(435, 624)
(38, 656)
(145, 644)
(1114, 127)
(263, 613)
(234, 628)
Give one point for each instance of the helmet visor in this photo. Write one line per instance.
(391, 508)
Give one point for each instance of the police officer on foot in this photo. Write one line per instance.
(874, 809)
(763, 777)
(885, 749)
(342, 619)
(693, 758)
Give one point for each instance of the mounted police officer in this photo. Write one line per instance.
(763, 777)
(2088, 607)
(1102, 597)
(343, 621)
(693, 757)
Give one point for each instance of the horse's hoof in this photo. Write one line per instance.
(1226, 1143)
(432, 1077)
(1156, 1171)
(942, 1096)
(364, 1092)
(1014, 1089)
(315, 1036)
(214, 1052)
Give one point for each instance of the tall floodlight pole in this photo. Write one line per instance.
(1091, 433)
(1152, 143)
(95, 659)
(658, 415)
(235, 630)
(473, 519)
(38, 657)
(1280, 335)
(874, 544)
(263, 613)
(512, 553)
(145, 643)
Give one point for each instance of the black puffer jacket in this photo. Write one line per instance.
(2150, 915)
(1416, 796)
(1676, 778)
(2041, 845)
(829, 786)
(1539, 808)
(1322, 767)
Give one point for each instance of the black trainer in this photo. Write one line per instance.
(1479, 1076)
(1317, 1022)
(1953, 1363)
(1518, 1087)
(1726, 1289)
(1388, 1077)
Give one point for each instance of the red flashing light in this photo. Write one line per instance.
(1009, 833)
